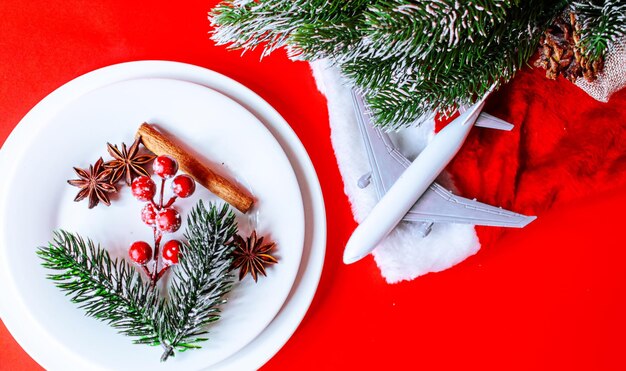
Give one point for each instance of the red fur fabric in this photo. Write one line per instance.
(565, 145)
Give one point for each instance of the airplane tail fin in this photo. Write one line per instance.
(485, 120)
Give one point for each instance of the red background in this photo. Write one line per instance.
(548, 296)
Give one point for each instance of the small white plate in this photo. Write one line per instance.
(36, 200)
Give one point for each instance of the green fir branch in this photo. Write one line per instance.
(603, 22)
(401, 90)
(202, 278)
(410, 58)
(109, 290)
(247, 24)
(112, 290)
(402, 28)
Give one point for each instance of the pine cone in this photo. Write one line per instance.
(561, 55)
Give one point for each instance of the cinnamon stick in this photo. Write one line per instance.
(160, 144)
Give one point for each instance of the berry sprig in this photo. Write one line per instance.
(161, 216)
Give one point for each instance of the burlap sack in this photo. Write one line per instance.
(612, 78)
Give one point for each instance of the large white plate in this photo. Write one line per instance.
(42, 343)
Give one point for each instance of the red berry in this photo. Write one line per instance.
(170, 251)
(165, 166)
(140, 252)
(183, 186)
(168, 220)
(143, 188)
(149, 214)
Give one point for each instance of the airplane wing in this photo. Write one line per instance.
(386, 162)
(437, 205)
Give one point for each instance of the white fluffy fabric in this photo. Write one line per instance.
(404, 254)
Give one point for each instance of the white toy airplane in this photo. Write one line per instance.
(407, 191)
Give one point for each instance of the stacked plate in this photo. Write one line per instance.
(222, 123)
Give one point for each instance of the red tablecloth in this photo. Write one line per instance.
(550, 296)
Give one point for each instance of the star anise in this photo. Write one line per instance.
(94, 184)
(251, 256)
(127, 163)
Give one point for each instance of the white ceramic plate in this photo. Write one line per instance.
(58, 353)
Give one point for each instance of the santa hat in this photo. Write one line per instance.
(565, 145)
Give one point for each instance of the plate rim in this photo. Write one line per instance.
(280, 329)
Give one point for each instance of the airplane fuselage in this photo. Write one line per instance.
(410, 186)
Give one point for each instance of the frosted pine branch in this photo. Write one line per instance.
(409, 57)
(603, 23)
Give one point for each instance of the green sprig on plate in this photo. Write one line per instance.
(113, 291)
